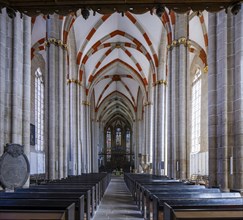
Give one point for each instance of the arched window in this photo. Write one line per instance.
(39, 110)
(108, 144)
(196, 112)
(118, 136)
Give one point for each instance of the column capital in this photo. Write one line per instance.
(205, 69)
(86, 103)
(76, 81)
(160, 82)
(56, 42)
(147, 103)
(180, 41)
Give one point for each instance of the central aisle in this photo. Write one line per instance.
(117, 203)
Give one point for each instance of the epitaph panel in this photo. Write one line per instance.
(14, 167)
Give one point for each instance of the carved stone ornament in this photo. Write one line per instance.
(47, 7)
(14, 167)
(14, 150)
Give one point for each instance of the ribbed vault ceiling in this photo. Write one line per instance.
(117, 45)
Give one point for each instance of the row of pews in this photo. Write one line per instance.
(161, 198)
(72, 198)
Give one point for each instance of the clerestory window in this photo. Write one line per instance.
(196, 112)
(39, 110)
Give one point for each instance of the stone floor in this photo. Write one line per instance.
(117, 203)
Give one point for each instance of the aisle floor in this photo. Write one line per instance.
(117, 203)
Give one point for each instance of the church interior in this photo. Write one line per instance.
(133, 95)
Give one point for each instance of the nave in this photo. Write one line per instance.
(117, 202)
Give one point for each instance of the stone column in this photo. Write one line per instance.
(212, 101)
(134, 145)
(51, 91)
(26, 86)
(160, 145)
(89, 135)
(17, 81)
(26, 83)
(138, 141)
(143, 134)
(174, 116)
(160, 109)
(147, 113)
(8, 78)
(95, 143)
(60, 139)
(79, 116)
(146, 128)
(3, 73)
(223, 80)
(66, 121)
(140, 135)
(170, 169)
(155, 98)
(177, 148)
(73, 128)
(224, 86)
(83, 131)
(101, 140)
(238, 102)
(182, 72)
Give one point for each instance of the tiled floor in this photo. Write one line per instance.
(117, 203)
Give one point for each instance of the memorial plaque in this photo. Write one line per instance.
(14, 167)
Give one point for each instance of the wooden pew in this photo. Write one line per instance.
(222, 212)
(32, 214)
(146, 190)
(193, 203)
(149, 196)
(132, 180)
(36, 209)
(157, 188)
(93, 187)
(78, 187)
(79, 197)
(63, 191)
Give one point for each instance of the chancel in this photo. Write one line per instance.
(121, 109)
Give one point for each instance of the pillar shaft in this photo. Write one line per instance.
(84, 127)
(17, 81)
(3, 71)
(60, 139)
(26, 84)
(51, 91)
(212, 100)
(66, 121)
(238, 102)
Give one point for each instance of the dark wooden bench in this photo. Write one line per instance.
(150, 196)
(77, 187)
(50, 210)
(194, 203)
(88, 205)
(132, 180)
(32, 214)
(94, 187)
(79, 197)
(140, 199)
(222, 212)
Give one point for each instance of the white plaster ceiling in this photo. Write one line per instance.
(123, 63)
(122, 60)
